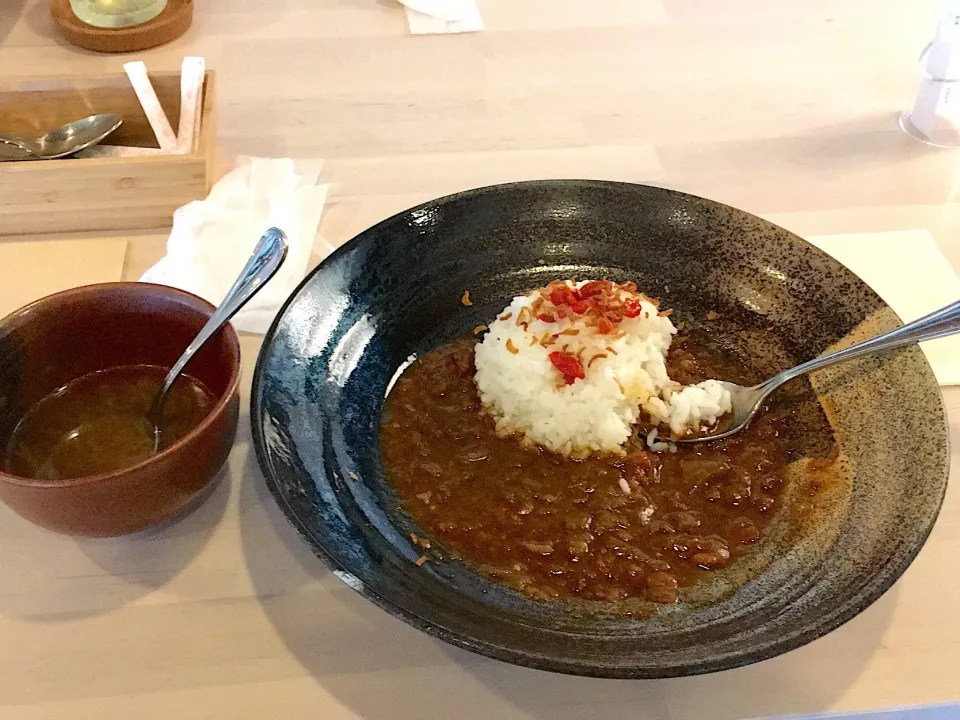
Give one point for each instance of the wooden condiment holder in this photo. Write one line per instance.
(114, 193)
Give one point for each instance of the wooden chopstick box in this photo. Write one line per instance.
(111, 193)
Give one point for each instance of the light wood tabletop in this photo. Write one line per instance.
(787, 110)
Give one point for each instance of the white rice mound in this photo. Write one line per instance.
(526, 394)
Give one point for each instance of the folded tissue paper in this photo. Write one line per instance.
(212, 239)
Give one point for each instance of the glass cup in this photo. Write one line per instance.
(116, 13)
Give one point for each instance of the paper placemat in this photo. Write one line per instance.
(920, 712)
(907, 270)
(37, 268)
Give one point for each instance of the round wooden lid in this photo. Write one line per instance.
(168, 25)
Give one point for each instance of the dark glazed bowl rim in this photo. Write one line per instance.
(818, 627)
(21, 317)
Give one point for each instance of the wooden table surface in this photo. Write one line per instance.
(787, 110)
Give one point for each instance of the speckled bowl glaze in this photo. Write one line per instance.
(395, 290)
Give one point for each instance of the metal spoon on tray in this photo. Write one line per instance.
(62, 141)
(266, 259)
(747, 401)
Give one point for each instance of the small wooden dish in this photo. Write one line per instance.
(168, 25)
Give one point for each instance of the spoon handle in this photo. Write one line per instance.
(22, 152)
(13, 140)
(940, 323)
(266, 259)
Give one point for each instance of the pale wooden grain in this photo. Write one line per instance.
(99, 193)
(66, 264)
(785, 109)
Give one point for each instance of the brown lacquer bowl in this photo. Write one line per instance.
(70, 334)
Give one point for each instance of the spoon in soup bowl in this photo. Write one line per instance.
(265, 260)
(746, 401)
(126, 430)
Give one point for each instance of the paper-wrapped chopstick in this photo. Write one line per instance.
(137, 72)
(191, 99)
(191, 91)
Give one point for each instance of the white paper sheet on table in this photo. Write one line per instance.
(907, 270)
(437, 17)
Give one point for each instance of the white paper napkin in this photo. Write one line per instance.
(435, 17)
(907, 270)
(212, 239)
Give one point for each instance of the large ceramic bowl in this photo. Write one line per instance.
(59, 338)
(395, 290)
